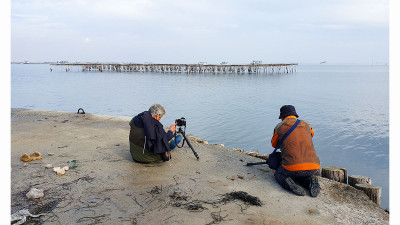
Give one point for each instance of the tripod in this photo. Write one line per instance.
(185, 139)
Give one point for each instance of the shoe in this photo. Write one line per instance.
(172, 143)
(314, 186)
(297, 189)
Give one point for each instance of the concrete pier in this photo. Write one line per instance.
(184, 68)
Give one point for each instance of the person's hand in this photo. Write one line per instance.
(173, 127)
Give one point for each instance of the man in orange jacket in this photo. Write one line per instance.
(300, 163)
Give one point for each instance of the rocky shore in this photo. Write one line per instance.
(104, 185)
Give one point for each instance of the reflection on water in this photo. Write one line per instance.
(348, 106)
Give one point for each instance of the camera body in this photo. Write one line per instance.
(181, 122)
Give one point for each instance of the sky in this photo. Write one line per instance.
(212, 31)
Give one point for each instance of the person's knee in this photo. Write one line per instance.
(174, 142)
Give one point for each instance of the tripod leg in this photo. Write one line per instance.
(190, 145)
(256, 163)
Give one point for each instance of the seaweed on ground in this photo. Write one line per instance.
(241, 195)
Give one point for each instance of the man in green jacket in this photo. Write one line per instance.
(147, 139)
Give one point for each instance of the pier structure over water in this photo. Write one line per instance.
(254, 68)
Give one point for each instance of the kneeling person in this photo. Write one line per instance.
(300, 163)
(147, 139)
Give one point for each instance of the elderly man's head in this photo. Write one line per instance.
(157, 111)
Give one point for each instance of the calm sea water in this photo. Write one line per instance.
(347, 106)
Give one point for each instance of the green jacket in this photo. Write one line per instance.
(136, 145)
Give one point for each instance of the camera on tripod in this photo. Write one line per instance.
(180, 122)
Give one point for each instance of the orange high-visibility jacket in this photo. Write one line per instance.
(297, 149)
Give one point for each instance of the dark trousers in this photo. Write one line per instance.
(301, 177)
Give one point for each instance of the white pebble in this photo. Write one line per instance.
(61, 171)
(35, 193)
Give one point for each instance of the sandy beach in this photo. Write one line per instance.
(105, 186)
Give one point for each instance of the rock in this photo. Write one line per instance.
(252, 153)
(197, 139)
(50, 154)
(263, 156)
(35, 193)
(48, 166)
(239, 150)
(61, 171)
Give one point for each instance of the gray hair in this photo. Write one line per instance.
(156, 109)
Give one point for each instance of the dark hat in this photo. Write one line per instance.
(287, 110)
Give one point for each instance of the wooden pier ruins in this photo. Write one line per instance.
(363, 183)
(254, 68)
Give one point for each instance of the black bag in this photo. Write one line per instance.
(275, 158)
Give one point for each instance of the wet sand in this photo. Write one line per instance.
(108, 187)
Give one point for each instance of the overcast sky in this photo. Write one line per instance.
(182, 31)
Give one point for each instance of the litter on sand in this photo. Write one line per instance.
(60, 171)
(22, 215)
(34, 156)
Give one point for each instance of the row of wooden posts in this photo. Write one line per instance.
(184, 68)
(360, 182)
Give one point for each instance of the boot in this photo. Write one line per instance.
(314, 186)
(297, 189)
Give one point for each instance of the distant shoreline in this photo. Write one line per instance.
(32, 62)
(303, 64)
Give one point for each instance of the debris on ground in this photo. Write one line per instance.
(196, 207)
(73, 163)
(35, 193)
(241, 195)
(217, 218)
(156, 190)
(178, 196)
(24, 216)
(21, 216)
(60, 171)
(34, 156)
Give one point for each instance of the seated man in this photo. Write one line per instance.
(147, 139)
(300, 162)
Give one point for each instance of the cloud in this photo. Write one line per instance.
(120, 9)
(373, 12)
(196, 27)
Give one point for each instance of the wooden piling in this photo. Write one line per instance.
(373, 192)
(356, 179)
(335, 173)
(184, 68)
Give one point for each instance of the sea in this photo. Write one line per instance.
(346, 105)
